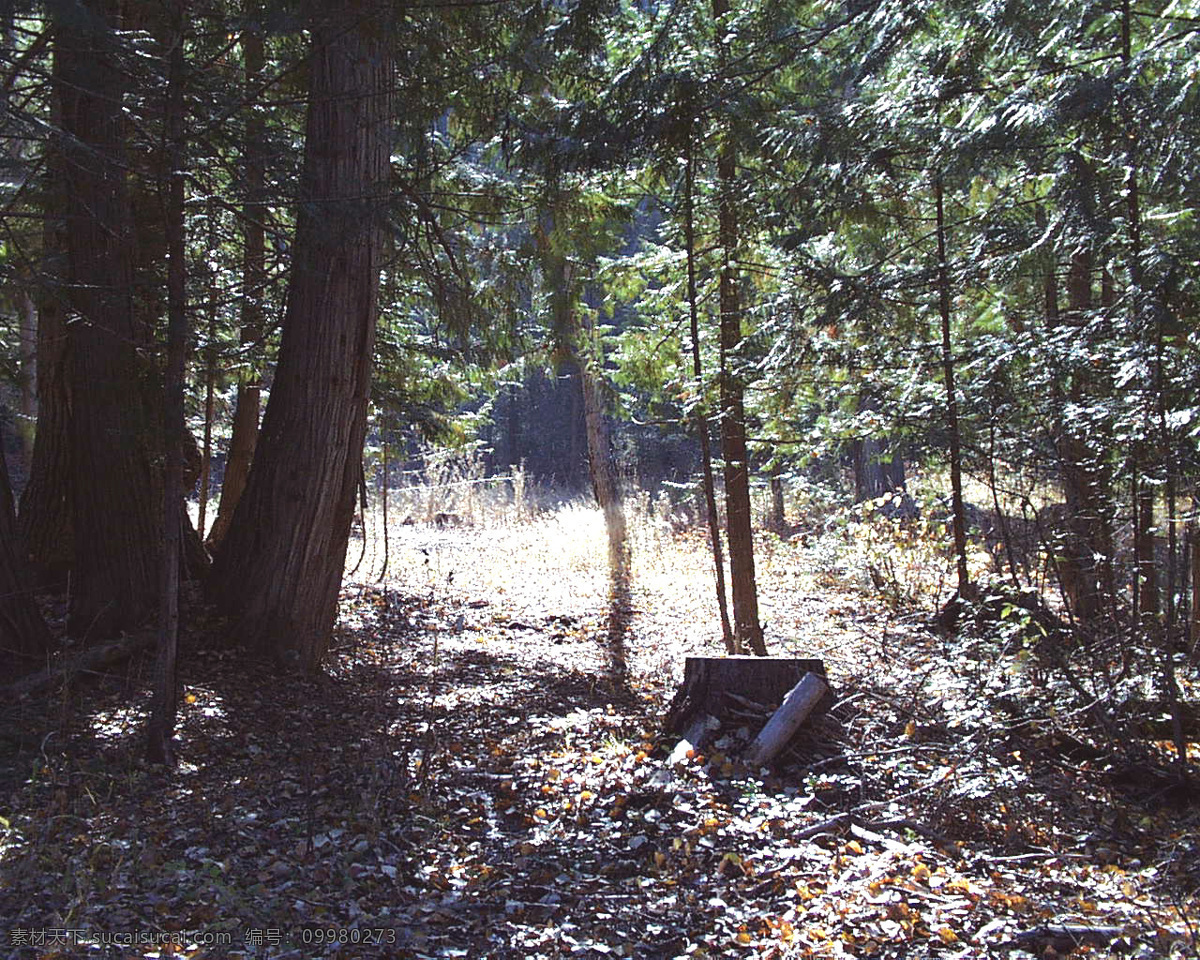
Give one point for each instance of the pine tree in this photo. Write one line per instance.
(279, 570)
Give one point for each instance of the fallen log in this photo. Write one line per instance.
(801, 700)
(1063, 939)
(93, 658)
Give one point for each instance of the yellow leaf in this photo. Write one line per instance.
(190, 698)
(921, 872)
(947, 935)
(854, 847)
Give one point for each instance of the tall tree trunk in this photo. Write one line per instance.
(965, 588)
(383, 497)
(1087, 536)
(44, 520)
(24, 639)
(777, 521)
(27, 361)
(699, 416)
(733, 409)
(581, 347)
(602, 464)
(114, 582)
(159, 747)
(210, 386)
(1145, 578)
(278, 571)
(244, 437)
(1193, 536)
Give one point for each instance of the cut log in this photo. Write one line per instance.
(94, 658)
(708, 683)
(782, 726)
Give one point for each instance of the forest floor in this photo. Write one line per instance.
(483, 773)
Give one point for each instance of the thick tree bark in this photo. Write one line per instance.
(114, 583)
(733, 409)
(244, 438)
(44, 521)
(279, 569)
(24, 639)
(161, 732)
(44, 524)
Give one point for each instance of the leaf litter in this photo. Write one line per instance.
(483, 773)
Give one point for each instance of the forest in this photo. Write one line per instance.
(439, 441)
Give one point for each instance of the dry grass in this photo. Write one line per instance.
(531, 563)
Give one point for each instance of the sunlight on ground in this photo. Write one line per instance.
(117, 723)
(555, 564)
(561, 551)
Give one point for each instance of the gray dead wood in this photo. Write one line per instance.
(801, 701)
(695, 738)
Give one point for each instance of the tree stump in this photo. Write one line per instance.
(712, 685)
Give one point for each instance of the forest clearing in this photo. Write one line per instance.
(642, 478)
(484, 773)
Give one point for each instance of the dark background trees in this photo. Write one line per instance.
(829, 239)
